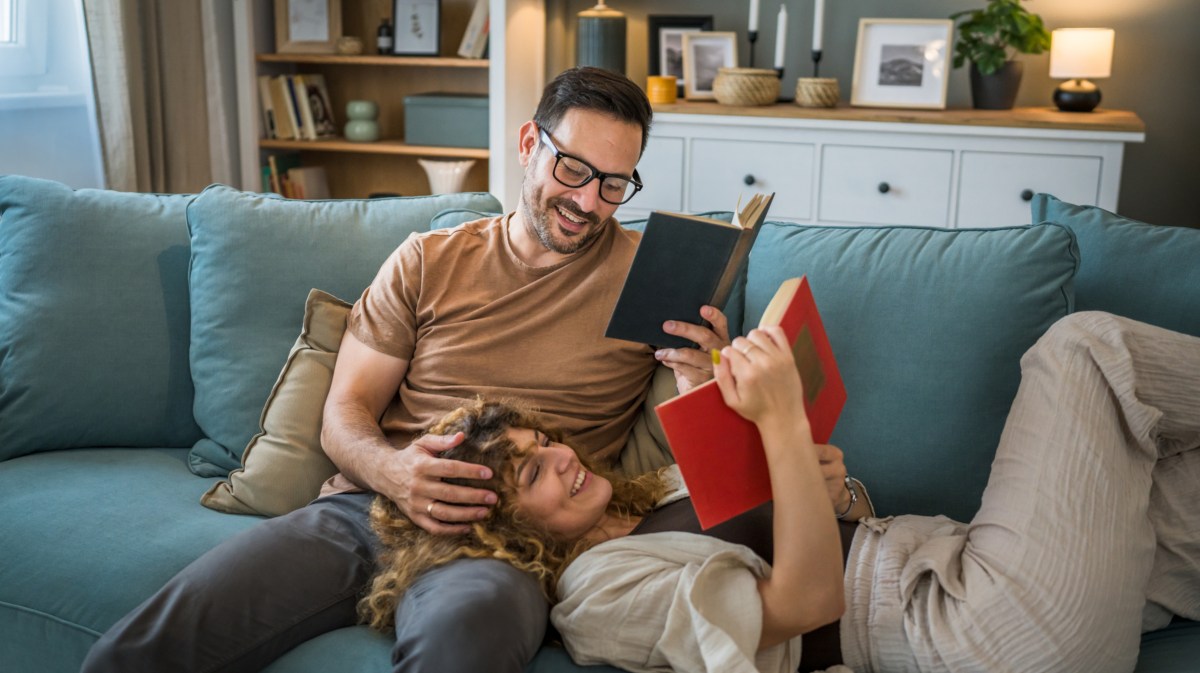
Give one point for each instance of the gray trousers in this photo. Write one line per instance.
(261, 593)
(1089, 530)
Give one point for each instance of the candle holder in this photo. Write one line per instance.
(816, 59)
(753, 37)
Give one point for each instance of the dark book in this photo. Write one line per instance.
(683, 263)
(719, 453)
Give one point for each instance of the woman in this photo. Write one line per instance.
(1054, 573)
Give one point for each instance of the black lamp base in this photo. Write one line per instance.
(1077, 95)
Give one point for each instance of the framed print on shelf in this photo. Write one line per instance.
(418, 27)
(902, 63)
(703, 54)
(666, 43)
(307, 26)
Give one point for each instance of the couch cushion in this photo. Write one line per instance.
(254, 259)
(1175, 649)
(1138, 270)
(93, 319)
(928, 326)
(96, 532)
(284, 465)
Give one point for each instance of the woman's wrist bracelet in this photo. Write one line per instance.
(852, 488)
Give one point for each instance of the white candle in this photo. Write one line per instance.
(753, 16)
(818, 24)
(780, 36)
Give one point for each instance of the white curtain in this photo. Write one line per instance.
(163, 74)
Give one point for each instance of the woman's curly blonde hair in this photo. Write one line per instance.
(407, 550)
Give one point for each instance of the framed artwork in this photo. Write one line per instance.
(418, 27)
(666, 43)
(703, 54)
(307, 26)
(902, 63)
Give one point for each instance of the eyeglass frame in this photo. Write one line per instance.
(634, 180)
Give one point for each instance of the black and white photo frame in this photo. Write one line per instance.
(665, 33)
(903, 63)
(418, 27)
(704, 54)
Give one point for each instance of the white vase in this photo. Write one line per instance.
(446, 177)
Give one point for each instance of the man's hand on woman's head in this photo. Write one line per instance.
(693, 366)
(416, 475)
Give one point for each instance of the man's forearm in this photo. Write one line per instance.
(355, 443)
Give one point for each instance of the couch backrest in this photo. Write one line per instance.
(93, 319)
(928, 327)
(254, 259)
(1141, 271)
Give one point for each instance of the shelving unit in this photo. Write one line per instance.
(512, 76)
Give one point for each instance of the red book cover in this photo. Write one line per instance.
(719, 453)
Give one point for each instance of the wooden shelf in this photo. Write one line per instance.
(393, 61)
(1030, 117)
(377, 147)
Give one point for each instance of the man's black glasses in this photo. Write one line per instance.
(574, 172)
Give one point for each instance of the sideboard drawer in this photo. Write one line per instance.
(724, 170)
(662, 172)
(882, 185)
(996, 187)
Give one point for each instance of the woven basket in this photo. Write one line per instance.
(746, 86)
(816, 92)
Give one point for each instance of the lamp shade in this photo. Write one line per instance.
(1081, 53)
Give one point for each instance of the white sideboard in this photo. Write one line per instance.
(851, 166)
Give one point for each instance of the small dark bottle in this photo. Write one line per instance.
(383, 37)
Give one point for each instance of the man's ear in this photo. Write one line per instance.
(527, 142)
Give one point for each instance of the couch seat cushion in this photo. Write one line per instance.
(928, 327)
(1175, 649)
(88, 534)
(93, 297)
(1141, 271)
(254, 259)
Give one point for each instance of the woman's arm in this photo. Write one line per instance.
(758, 379)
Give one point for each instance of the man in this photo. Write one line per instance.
(512, 305)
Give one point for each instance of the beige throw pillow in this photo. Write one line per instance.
(284, 465)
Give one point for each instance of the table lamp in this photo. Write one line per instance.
(1077, 54)
(601, 38)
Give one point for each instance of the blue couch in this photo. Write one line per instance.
(140, 335)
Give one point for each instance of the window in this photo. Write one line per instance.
(23, 35)
(6, 21)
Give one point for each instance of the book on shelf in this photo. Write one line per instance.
(308, 130)
(275, 173)
(682, 263)
(475, 37)
(320, 110)
(719, 453)
(308, 182)
(268, 112)
(285, 116)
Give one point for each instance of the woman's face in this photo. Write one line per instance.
(554, 490)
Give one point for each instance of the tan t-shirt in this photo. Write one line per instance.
(473, 319)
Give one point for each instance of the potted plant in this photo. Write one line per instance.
(989, 38)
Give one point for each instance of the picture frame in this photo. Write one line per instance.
(703, 54)
(665, 43)
(903, 63)
(307, 26)
(417, 25)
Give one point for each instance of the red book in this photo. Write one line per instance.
(719, 453)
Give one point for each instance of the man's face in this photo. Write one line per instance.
(564, 219)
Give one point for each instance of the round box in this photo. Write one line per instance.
(746, 86)
(817, 92)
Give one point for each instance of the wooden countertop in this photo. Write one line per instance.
(1029, 117)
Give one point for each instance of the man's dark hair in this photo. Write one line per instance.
(598, 90)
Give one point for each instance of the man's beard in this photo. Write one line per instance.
(542, 222)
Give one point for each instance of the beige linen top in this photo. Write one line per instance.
(473, 319)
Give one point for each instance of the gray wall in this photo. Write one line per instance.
(1155, 62)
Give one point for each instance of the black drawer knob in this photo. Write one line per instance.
(884, 188)
(749, 179)
(1027, 195)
